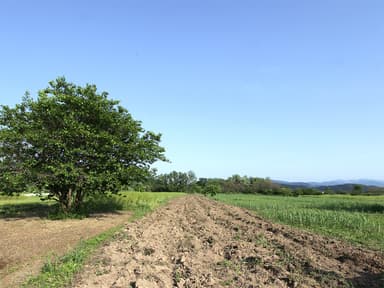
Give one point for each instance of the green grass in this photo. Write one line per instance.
(357, 219)
(59, 271)
(144, 202)
(31, 206)
(5, 200)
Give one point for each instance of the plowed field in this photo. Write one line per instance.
(196, 242)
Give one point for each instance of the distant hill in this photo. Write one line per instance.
(293, 185)
(338, 185)
(366, 182)
(348, 187)
(369, 182)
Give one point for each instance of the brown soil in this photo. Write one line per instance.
(26, 243)
(195, 242)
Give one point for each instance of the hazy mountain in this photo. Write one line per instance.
(369, 182)
(292, 185)
(366, 182)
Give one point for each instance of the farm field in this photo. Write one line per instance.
(29, 237)
(357, 219)
(197, 242)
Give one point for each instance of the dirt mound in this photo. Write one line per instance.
(195, 242)
(26, 243)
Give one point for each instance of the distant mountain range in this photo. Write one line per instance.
(366, 182)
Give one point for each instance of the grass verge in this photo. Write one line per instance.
(357, 219)
(59, 271)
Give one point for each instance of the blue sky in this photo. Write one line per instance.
(290, 90)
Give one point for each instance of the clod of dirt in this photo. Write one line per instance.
(3, 263)
(148, 251)
(231, 251)
(142, 283)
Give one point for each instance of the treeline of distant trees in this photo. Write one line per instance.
(188, 182)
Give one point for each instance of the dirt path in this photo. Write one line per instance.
(26, 243)
(195, 242)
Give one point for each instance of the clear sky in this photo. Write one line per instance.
(290, 90)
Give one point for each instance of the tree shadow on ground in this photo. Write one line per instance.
(27, 210)
(368, 280)
(358, 207)
(334, 279)
(52, 211)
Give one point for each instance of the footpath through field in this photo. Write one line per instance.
(196, 242)
(26, 243)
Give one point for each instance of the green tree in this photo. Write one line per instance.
(212, 189)
(357, 189)
(175, 181)
(73, 142)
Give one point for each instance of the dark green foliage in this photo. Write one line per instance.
(247, 185)
(212, 189)
(186, 182)
(257, 185)
(174, 182)
(357, 189)
(72, 142)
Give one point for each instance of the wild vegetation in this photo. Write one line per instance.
(358, 219)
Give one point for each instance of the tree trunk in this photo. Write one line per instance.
(68, 201)
(78, 200)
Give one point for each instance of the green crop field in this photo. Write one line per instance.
(357, 219)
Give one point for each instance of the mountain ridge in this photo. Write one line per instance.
(314, 184)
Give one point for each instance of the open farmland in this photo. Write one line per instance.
(358, 219)
(190, 242)
(196, 242)
(29, 237)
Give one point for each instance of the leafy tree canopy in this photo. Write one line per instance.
(174, 181)
(72, 142)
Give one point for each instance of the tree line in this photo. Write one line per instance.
(188, 182)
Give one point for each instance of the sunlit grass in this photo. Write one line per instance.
(31, 206)
(18, 199)
(25, 206)
(143, 202)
